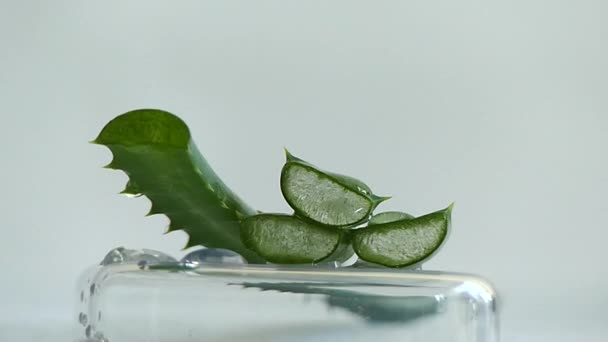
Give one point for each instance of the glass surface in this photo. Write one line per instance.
(178, 302)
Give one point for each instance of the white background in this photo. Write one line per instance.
(498, 106)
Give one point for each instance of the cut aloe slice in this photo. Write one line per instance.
(404, 242)
(389, 216)
(285, 239)
(155, 150)
(324, 197)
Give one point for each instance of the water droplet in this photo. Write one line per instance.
(100, 338)
(122, 255)
(143, 265)
(82, 296)
(92, 289)
(114, 256)
(87, 331)
(83, 319)
(213, 256)
(99, 316)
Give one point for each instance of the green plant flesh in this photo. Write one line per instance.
(285, 239)
(388, 216)
(404, 242)
(155, 150)
(324, 197)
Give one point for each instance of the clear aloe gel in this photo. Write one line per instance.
(324, 197)
(404, 242)
(285, 239)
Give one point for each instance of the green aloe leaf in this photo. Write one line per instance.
(324, 197)
(404, 242)
(389, 216)
(286, 239)
(155, 149)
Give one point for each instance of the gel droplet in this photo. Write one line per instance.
(115, 256)
(87, 331)
(143, 265)
(83, 319)
(122, 255)
(213, 256)
(100, 338)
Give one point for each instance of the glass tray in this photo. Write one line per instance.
(177, 302)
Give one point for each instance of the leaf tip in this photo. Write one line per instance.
(131, 189)
(111, 166)
(289, 157)
(379, 199)
(447, 212)
(450, 207)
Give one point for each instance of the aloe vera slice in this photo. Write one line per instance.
(388, 216)
(404, 242)
(286, 239)
(154, 148)
(324, 197)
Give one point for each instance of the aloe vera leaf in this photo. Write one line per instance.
(388, 216)
(286, 239)
(324, 197)
(404, 242)
(155, 149)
